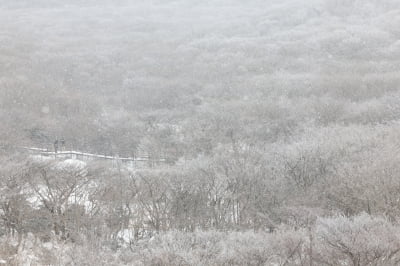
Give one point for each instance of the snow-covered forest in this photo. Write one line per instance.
(214, 132)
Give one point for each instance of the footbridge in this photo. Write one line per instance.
(135, 162)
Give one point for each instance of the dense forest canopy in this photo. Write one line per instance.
(100, 72)
(278, 120)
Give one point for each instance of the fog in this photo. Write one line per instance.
(254, 132)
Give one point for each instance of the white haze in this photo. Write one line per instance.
(269, 132)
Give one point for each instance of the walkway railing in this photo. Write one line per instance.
(84, 156)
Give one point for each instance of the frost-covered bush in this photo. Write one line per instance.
(361, 240)
(224, 248)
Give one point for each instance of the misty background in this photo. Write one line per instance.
(276, 122)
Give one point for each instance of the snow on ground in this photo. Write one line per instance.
(40, 158)
(71, 164)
